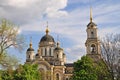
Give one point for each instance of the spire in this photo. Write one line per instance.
(90, 14)
(30, 42)
(58, 43)
(47, 30)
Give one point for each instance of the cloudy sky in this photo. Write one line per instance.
(66, 18)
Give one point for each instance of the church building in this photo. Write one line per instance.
(51, 58)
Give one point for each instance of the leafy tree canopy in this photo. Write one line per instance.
(24, 72)
(87, 69)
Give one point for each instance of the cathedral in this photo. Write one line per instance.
(51, 58)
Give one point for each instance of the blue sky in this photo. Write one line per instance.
(66, 18)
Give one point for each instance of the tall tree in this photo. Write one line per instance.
(84, 69)
(9, 36)
(110, 47)
(88, 69)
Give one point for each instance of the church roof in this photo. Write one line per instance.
(58, 48)
(69, 64)
(30, 49)
(47, 38)
(91, 24)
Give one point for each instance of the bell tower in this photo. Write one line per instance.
(92, 43)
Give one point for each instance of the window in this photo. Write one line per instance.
(91, 32)
(67, 79)
(57, 76)
(29, 56)
(57, 56)
(92, 48)
(41, 51)
(50, 52)
(45, 52)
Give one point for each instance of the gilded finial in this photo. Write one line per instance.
(47, 30)
(30, 42)
(90, 14)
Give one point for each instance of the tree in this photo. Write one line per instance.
(84, 69)
(10, 61)
(27, 72)
(102, 70)
(24, 72)
(88, 69)
(9, 37)
(110, 47)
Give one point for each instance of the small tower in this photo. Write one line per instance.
(59, 55)
(30, 53)
(92, 43)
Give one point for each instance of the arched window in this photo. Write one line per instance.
(50, 52)
(45, 52)
(41, 51)
(29, 56)
(92, 48)
(92, 34)
(57, 56)
(57, 76)
(67, 79)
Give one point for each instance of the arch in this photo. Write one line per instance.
(43, 64)
(92, 48)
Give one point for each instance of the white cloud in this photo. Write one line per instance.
(81, 1)
(26, 11)
(21, 3)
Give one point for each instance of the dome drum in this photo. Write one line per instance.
(44, 43)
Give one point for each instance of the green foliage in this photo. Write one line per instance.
(84, 70)
(25, 72)
(87, 69)
(102, 71)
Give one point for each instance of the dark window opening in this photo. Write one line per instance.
(91, 32)
(45, 52)
(92, 48)
(41, 51)
(57, 76)
(50, 51)
(57, 55)
(29, 56)
(67, 79)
